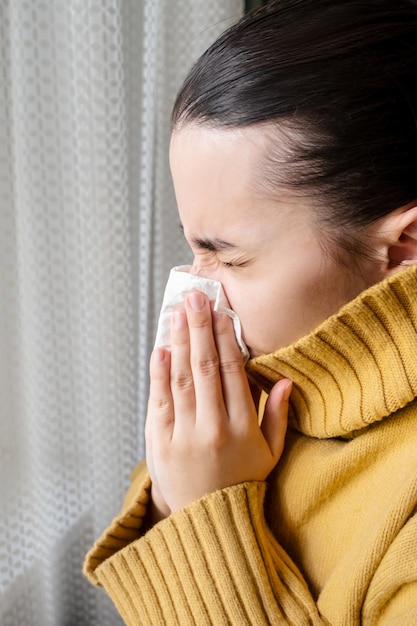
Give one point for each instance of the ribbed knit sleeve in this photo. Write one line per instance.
(213, 562)
(125, 528)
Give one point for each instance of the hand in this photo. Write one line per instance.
(202, 428)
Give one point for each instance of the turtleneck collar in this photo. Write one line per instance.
(357, 367)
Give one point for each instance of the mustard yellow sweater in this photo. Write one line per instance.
(332, 538)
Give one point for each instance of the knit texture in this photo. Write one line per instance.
(332, 537)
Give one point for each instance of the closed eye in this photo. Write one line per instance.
(234, 263)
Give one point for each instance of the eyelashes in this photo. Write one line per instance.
(231, 264)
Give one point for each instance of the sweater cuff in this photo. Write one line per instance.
(213, 562)
(125, 528)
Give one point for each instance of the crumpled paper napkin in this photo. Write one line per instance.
(180, 281)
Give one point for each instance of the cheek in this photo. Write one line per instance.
(238, 305)
(255, 315)
(278, 313)
(238, 302)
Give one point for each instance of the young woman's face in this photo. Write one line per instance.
(267, 252)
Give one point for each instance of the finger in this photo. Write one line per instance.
(236, 390)
(181, 378)
(149, 450)
(274, 423)
(160, 404)
(204, 358)
(256, 393)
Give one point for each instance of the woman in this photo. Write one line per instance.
(294, 160)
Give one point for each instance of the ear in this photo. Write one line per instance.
(397, 234)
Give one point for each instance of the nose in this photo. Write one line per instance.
(194, 269)
(205, 271)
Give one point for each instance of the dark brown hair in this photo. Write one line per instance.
(340, 76)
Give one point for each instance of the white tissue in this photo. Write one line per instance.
(180, 281)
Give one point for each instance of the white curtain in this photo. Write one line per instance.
(88, 232)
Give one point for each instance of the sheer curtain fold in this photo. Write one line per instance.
(88, 232)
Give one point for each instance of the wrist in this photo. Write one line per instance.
(157, 509)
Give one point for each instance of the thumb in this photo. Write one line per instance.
(274, 422)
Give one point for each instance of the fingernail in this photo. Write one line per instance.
(196, 301)
(179, 319)
(287, 390)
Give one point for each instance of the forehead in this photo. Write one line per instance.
(214, 173)
(216, 176)
(219, 162)
(258, 159)
(197, 145)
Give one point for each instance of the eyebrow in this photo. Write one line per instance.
(213, 245)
